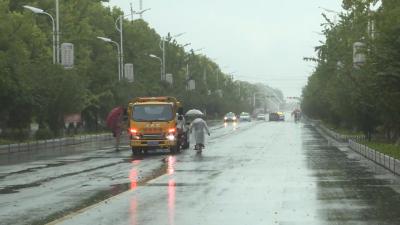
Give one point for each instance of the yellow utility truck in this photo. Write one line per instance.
(153, 124)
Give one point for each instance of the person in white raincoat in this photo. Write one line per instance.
(199, 127)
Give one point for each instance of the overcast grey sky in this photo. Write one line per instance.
(260, 40)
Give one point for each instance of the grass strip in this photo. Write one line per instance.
(385, 148)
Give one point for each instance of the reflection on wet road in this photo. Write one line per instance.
(249, 173)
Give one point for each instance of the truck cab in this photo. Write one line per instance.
(153, 124)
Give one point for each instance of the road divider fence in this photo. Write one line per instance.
(55, 144)
(384, 160)
(379, 158)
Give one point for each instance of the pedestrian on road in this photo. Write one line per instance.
(199, 126)
(116, 121)
(117, 130)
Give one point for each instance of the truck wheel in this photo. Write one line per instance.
(175, 149)
(186, 143)
(136, 151)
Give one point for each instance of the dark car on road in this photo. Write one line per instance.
(230, 117)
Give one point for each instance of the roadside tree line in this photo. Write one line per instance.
(32, 89)
(353, 87)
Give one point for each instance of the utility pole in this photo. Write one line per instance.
(58, 30)
(121, 21)
(132, 12)
(187, 71)
(162, 47)
(163, 57)
(217, 80)
(141, 8)
(254, 100)
(120, 30)
(239, 89)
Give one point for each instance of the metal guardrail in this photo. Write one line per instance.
(384, 160)
(379, 158)
(55, 144)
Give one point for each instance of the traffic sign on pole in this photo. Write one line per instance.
(67, 55)
(129, 72)
(169, 78)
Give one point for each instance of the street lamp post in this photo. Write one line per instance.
(161, 61)
(119, 54)
(58, 31)
(336, 13)
(185, 45)
(162, 47)
(41, 11)
(187, 64)
(120, 28)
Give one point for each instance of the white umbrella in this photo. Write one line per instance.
(194, 112)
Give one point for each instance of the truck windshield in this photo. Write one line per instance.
(152, 113)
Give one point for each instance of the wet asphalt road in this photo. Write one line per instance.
(250, 173)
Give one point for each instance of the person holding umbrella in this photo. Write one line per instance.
(115, 121)
(199, 127)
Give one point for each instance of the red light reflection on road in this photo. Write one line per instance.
(133, 177)
(133, 210)
(171, 201)
(136, 162)
(171, 165)
(171, 160)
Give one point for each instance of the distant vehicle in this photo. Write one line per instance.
(230, 117)
(261, 117)
(245, 116)
(277, 116)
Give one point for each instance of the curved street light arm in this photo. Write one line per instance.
(155, 57)
(120, 67)
(41, 11)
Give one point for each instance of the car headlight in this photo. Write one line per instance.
(225, 118)
(234, 118)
